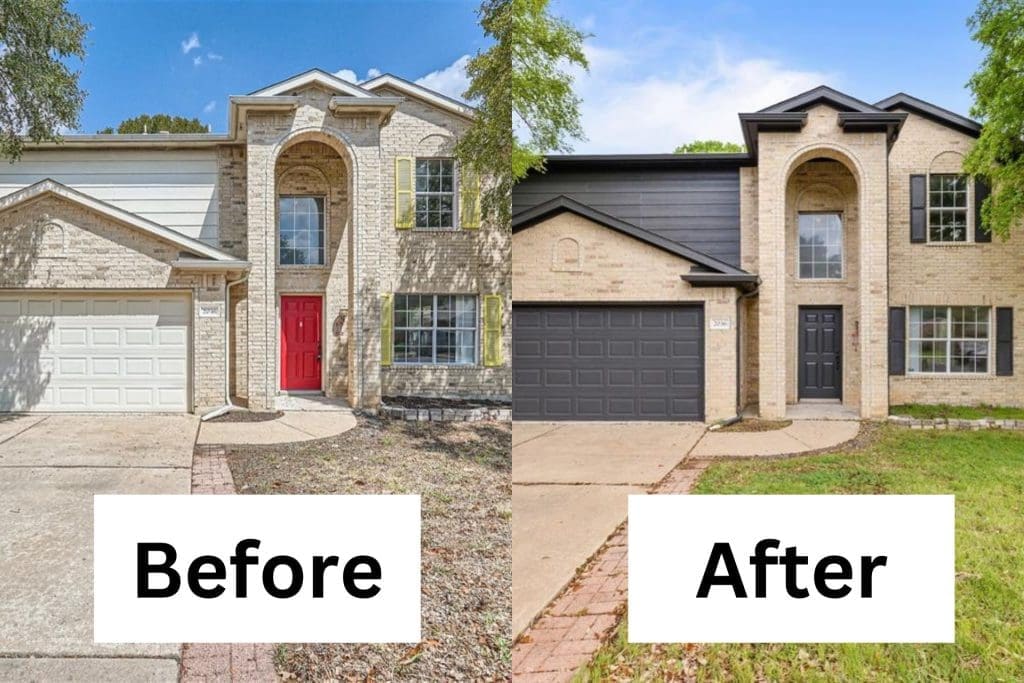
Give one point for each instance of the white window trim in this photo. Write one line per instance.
(968, 212)
(989, 371)
(478, 320)
(456, 218)
(842, 245)
(324, 229)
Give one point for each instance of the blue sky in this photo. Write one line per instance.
(662, 71)
(141, 58)
(667, 71)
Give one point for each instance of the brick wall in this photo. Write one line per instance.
(52, 243)
(969, 274)
(617, 268)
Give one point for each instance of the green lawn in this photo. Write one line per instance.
(924, 411)
(985, 470)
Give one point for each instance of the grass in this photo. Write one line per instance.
(925, 411)
(985, 470)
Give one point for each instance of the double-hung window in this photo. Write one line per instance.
(301, 231)
(949, 339)
(435, 194)
(435, 329)
(821, 246)
(947, 207)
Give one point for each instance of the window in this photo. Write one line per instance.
(821, 246)
(435, 194)
(301, 231)
(435, 328)
(952, 339)
(947, 207)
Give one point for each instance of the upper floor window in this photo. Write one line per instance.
(435, 194)
(821, 246)
(947, 207)
(949, 339)
(301, 231)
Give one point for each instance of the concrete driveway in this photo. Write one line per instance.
(570, 483)
(50, 468)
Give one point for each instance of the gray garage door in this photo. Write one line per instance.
(608, 362)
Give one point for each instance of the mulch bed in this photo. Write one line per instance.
(427, 403)
(246, 416)
(463, 473)
(756, 425)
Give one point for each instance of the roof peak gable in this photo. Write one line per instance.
(822, 94)
(902, 100)
(312, 77)
(407, 87)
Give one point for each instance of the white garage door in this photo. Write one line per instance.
(94, 352)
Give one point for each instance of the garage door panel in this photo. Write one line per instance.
(625, 362)
(95, 352)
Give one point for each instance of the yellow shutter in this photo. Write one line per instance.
(404, 196)
(469, 200)
(386, 330)
(492, 330)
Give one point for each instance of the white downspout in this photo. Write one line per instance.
(228, 405)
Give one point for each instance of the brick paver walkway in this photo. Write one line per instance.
(577, 622)
(208, 662)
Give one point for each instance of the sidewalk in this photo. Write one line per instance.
(574, 625)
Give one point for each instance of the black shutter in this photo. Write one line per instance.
(1004, 342)
(981, 231)
(918, 208)
(897, 340)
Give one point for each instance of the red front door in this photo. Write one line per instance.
(300, 343)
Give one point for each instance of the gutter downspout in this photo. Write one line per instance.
(228, 405)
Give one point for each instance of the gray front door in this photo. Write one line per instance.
(608, 362)
(820, 349)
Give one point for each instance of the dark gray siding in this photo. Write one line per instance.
(698, 207)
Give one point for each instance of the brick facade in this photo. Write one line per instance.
(615, 268)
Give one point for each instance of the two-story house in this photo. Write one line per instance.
(841, 259)
(327, 243)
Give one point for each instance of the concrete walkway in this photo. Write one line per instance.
(570, 483)
(303, 418)
(799, 437)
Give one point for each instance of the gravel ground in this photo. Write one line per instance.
(247, 416)
(463, 473)
(756, 425)
(425, 403)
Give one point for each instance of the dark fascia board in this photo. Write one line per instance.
(651, 161)
(871, 122)
(747, 282)
(930, 111)
(532, 216)
(821, 94)
(790, 121)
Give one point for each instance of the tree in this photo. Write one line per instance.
(520, 83)
(710, 147)
(39, 94)
(157, 123)
(998, 87)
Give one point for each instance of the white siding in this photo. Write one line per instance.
(175, 188)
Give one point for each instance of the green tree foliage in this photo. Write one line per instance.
(998, 86)
(157, 123)
(39, 94)
(520, 83)
(710, 147)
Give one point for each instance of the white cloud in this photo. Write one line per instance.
(190, 43)
(347, 75)
(372, 73)
(197, 60)
(210, 106)
(653, 97)
(451, 80)
(214, 57)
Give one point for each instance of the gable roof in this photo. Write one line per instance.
(418, 91)
(821, 95)
(902, 100)
(52, 187)
(534, 215)
(312, 77)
